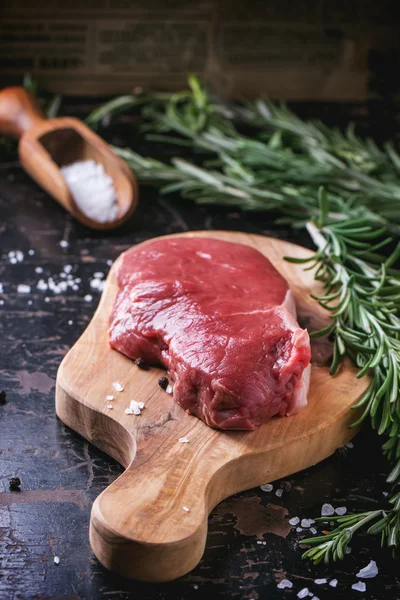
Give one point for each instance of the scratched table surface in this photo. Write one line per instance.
(251, 546)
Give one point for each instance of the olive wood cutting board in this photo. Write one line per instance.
(138, 526)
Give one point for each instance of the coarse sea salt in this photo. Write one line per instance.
(56, 560)
(341, 510)
(63, 244)
(295, 521)
(1, 289)
(109, 397)
(92, 189)
(169, 389)
(320, 581)
(110, 406)
(285, 583)
(303, 593)
(88, 298)
(185, 508)
(327, 510)
(368, 572)
(267, 487)
(279, 492)
(298, 529)
(183, 440)
(117, 386)
(22, 288)
(359, 586)
(307, 523)
(333, 582)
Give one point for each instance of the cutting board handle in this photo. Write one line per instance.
(19, 111)
(139, 526)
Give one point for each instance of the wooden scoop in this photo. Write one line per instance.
(47, 144)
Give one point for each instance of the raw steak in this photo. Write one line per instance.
(222, 320)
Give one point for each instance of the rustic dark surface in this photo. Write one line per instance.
(61, 474)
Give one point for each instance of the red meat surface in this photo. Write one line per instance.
(222, 320)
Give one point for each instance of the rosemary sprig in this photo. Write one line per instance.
(281, 167)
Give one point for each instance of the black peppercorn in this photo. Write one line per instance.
(163, 382)
(15, 483)
(3, 397)
(141, 363)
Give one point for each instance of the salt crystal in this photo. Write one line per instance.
(128, 411)
(313, 530)
(183, 440)
(31, 252)
(195, 587)
(385, 494)
(298, 529)
(88, 298)
(47, 299)
(169, 389)
(98, 275)
(67, 269)
(341, 510)
(1, 289)
(56, 560)
(110, 406)
(22, 288)
(185, 508)
(320, 581)
(279, 492)
(285, 583)
(295, 521)
(1, 302)
(92, 189)
(368, 572)
(109, 397)
(267, 487)
(141, 405)
(63, 244)
(348, 550)
(333, 582)
(70, 322)
(359, 586)
(259, 542)
(264, 543)
(303, 593)
(117, 386)
(38, 270)
(350, 445)
(307, 523)
(327, 510)
(29, 302)
(109, 263)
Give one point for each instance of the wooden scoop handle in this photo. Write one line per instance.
(19, 111)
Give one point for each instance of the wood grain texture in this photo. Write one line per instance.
(138, 525)
(47, 144)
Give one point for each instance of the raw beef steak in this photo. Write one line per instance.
(222, 320)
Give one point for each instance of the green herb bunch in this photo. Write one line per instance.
(346, 192)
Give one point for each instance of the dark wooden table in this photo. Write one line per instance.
(250, 545)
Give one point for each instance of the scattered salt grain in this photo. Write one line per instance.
(307, 523)
(303, 593)
(15, 256)
(63, 244)
(56, 560)
(320, 581)
(38, 270)
(267, 487)
(185, 508)
(67, 269)
(31, 252)
(29, 302)
(88, 298)
(298, 529)
(47, 299)
(385, 494)
(1, 302)
(368, 572)
(341, 510)
(348, 550)
(183, 440)
(22, 288)
(109, 263)
(109, 397)
(327, 510)
(110, 406)
(259, 542)
(98, 275)
(279, 492)
(92, 189)
(295, 521)
(169, 389)
(359, 586)
(333, 582)
(195, 587)
(285, 583)
(128, 411)
(350, 445)
(1, 289)
(313, 530)
(117, 386)
(70, 322)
